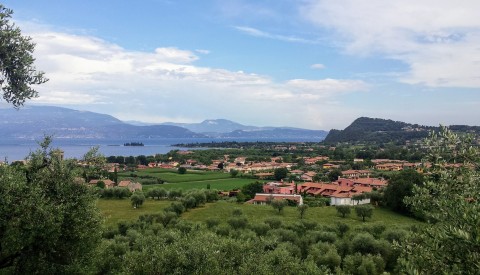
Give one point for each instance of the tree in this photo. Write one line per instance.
(449, 200)
(278, 204)
(364, 211)
(249, 190)
(137, 199)
(280, 173)
(359, 197)
(101, 184)
(334, 174)
(233, 173)
(182, 170)
(401, 186)
(343, 210)
(94, 163)
(17, 72)
(302, 209)
(48, 223)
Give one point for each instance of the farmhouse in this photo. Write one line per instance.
(132, 186)
(108, 183)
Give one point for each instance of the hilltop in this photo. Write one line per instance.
(365, 129)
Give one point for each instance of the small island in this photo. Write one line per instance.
(133, 144)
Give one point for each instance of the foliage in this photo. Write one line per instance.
(450, 201)
(280, 173)
(278, 204)
(115, 192)
(399, 187)
(364, 211)
(249, 190)
(48, 223)
(182, 170)
(137, 199)
(302, 209)
(334, 174)
(17, 71)
(233, 173)
(343, 210)
(94, 163)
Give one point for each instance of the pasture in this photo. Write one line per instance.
(115, 210)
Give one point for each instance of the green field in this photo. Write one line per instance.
(172, 176)
(193, 179)
(326, 215)
(117, 210)
(219, 184)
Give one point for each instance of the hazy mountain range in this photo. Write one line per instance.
(35, 121)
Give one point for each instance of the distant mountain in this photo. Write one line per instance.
(277, 133)
(35, 121)
(223, 128)
(213, 126)
(379, 130)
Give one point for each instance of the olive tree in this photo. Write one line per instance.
(49, 224)
(17, 71)
(449, 200)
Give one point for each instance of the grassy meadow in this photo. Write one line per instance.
(193, 179)
(172, 176)
(219, 184)
(115, 210)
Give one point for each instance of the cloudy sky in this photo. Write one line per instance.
(316, 64)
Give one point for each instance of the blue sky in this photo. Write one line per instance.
(311, 64)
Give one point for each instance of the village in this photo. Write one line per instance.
(314, 178)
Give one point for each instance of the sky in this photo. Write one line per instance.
(314, 64)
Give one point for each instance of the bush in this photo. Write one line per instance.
(343, 210)
(182, 170)
(137, 199)
(212, 222)
(274, 223)
(364, 211)
(238, 222)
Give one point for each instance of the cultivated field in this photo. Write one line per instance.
(115, 210)
(193, 179)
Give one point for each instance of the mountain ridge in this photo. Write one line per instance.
(36, 121)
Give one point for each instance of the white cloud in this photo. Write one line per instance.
(263, 34)
(202, 51)
(94, 74)
(317, 66)
(438, 39)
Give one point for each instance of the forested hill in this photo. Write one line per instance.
(366, 129)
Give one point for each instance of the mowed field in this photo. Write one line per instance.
(115, 210)
(193, 179)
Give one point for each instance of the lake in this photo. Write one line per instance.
(19, 149)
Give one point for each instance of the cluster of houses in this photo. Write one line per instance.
(130, 185)
(340, 192)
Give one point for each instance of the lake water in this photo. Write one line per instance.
(18, 149)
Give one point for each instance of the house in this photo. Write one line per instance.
(330, 166)
(263, 199)
(279, 188)
(346, 199)
(108, 183)
(356, 173)
(132, 186)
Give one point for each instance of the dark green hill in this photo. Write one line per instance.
(366, 129)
